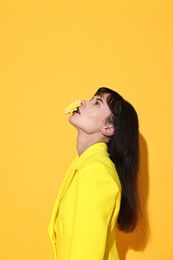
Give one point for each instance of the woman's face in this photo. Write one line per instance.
(92, 115)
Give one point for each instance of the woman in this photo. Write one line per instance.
(99, 191)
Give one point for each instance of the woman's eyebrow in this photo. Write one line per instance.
(99, 99)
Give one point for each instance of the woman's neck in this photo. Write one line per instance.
(84, 141)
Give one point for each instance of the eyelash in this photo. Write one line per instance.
(96, 102)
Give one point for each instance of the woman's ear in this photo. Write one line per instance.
(108, 130)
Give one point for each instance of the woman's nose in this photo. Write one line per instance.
(83, 103)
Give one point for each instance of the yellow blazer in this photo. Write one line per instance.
(83, 222)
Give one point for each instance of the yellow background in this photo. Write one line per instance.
(52, 52)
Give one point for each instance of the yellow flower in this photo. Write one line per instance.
(72, 107)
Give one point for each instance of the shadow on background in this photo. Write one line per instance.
(138, 239)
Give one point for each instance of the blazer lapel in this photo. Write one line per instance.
(66, 182)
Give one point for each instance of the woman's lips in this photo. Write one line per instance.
(77, 111)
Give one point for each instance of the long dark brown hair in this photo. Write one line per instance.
(123, 148)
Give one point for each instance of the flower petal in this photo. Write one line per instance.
(72, 107)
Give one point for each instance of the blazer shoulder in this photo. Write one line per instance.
(100, 171)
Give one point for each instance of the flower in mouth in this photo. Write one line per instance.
(72, 107)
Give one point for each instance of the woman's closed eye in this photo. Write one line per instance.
(96, 101)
